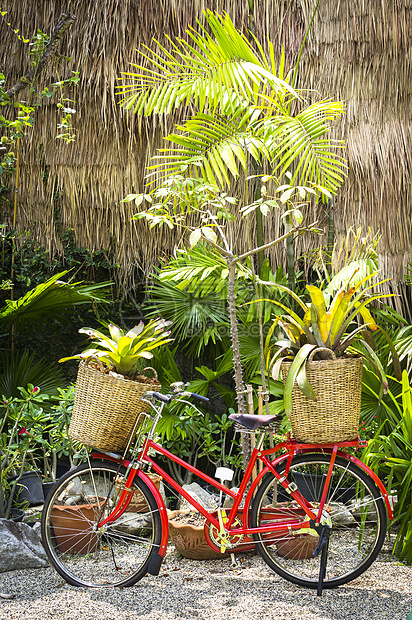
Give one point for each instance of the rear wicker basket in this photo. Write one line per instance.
(105, 409)
(334, 416)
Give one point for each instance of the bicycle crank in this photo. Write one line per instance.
(222, 540)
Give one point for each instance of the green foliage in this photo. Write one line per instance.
(196, 433)
(34, 434)
(384, 408)
(392, 455)
(243, 109)
(191, 292)
(243, 115)
(33, 263)
(22, 370)
(48, 299)
(123, 351)
(336, 265)
(15, 445)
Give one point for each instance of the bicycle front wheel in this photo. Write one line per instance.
(85, 554)
(354, 507)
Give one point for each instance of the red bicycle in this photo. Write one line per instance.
(316, 514)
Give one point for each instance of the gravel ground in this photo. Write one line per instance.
(209, 590)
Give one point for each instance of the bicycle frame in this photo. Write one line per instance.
(285, 526)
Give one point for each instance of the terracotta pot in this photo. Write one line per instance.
(298, 547)
(190, 540)
(138, 502)
(72, 526)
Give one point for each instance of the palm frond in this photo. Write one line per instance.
(217, 146)
(209, 71)
(18, 372)
(301, 142)
(198, 319)
(50, 298)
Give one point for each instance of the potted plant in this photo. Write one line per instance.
(322, 396)
(111, 382)
(73, 526)
(190, 534)
(20, 482)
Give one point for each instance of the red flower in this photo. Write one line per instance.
(23, 431)
(36, 389)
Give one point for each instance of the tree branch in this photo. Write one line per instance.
(297, 229)
(65, 21)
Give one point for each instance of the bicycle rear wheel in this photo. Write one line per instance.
(114, 555)
(358, 521)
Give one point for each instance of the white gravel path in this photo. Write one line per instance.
(209, 590)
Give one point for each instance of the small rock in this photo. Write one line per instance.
(132, 523)
(341, 515)
(200, 495)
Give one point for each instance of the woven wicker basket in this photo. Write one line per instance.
(105, 409)
(334, 416)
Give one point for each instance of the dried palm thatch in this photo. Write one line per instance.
(357, 51)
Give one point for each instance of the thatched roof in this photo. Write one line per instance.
(357, 51)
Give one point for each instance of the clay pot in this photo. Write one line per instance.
(138, 502)
(72, 526)
(190, 540)
(297, 547)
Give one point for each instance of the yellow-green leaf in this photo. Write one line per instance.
(340, 315)
(209, 233)
(195, 237)
(318, 304)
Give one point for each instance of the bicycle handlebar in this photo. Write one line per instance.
(166, 398)
(158, 396)
(202, 399)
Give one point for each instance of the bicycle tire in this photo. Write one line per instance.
(118, 554)
(358, 523)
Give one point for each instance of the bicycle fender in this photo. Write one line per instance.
(377, 481)
(366, 469)
(163, 515)
(348, 457)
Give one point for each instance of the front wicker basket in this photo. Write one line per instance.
(105, 409)
(334, 416)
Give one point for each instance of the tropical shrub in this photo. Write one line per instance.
(391, 456)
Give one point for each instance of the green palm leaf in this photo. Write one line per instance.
(219, 144)
(22, 370)
(48, 299)
(299, 142)
(221, 71)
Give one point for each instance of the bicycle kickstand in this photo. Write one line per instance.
(322, 548)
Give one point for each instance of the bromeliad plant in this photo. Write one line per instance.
(123, 352)
(329, 328)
